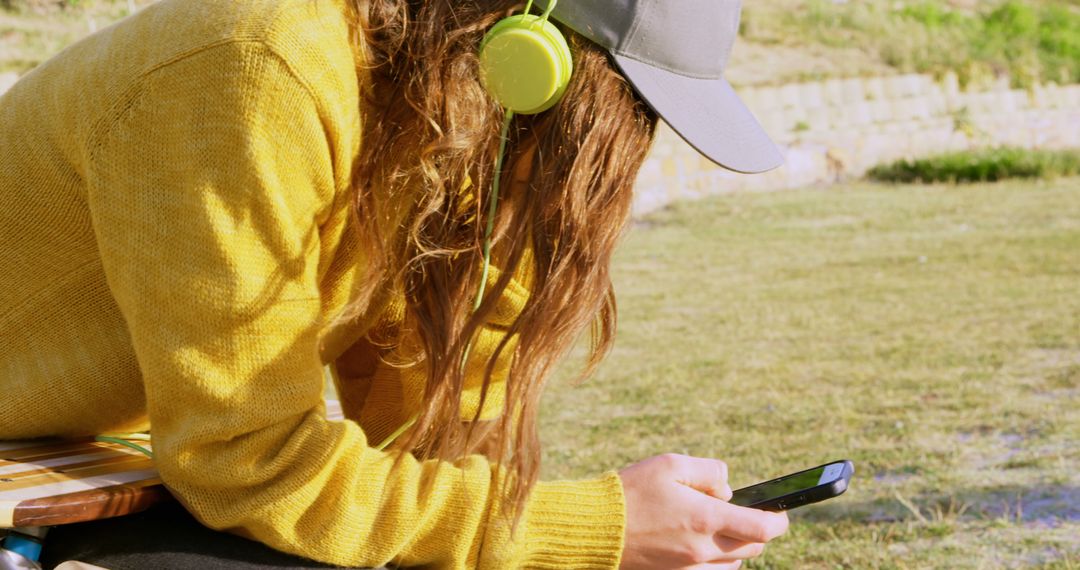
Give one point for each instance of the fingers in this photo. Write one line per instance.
(734, 550)
(749, 525)
(713, 546)
(724, 550)
(716, 566)
(706, 475)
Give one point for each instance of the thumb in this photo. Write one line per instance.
(706, 475)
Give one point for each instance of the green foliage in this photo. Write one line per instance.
(1030, 41)
(37, 5)
(1034, 43)
(1059, 43)
(988, 165)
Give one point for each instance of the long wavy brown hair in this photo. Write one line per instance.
(430, 130)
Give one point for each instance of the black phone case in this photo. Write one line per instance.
(807, 496)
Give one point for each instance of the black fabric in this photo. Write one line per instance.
(165, 537)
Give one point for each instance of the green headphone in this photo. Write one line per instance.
(525, 62)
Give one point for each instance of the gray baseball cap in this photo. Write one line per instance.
(674, 53)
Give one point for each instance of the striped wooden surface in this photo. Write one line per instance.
(51, 482)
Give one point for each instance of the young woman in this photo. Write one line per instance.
(203, 205)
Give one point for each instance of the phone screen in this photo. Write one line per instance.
(824, 475)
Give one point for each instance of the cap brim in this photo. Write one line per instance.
(707, 114)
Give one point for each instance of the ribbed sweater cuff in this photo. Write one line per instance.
(576, 524)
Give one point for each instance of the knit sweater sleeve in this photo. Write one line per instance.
(207, 187)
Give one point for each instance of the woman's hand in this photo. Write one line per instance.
(678, 516)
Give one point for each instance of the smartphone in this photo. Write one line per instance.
(798, 489)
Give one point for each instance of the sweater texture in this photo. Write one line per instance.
(175, 243)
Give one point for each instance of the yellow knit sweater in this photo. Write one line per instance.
(174, 241)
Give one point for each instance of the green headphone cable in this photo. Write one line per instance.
(122, 439)
(504, 136)
(495, 184)
(544, 16)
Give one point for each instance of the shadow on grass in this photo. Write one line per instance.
(1048, 505)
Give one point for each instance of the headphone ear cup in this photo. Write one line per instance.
(525, 64)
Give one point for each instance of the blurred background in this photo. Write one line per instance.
(902, 293)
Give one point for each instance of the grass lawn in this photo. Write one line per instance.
(931, 334)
